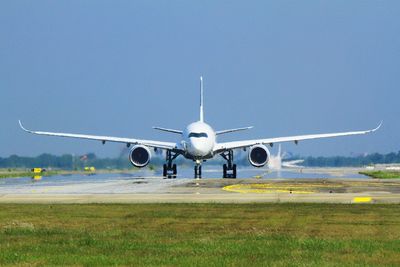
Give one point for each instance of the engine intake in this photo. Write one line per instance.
(258, 155)
(140, 156)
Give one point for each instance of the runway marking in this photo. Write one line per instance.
(267, 189)
(362, 199)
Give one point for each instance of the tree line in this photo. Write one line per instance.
(357, 161)
(70, 162)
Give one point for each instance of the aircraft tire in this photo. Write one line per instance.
(224, 167)
(165, 170)
(174, 169)
(234, 171)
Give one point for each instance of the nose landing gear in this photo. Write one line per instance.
(197, 170)
(229, 169)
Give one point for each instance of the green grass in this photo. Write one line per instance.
(16, 173)
(200, 235)
(382, 174)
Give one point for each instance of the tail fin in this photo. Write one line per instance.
(201, 100)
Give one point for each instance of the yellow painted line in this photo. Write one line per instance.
(265, 189)
(362, 199)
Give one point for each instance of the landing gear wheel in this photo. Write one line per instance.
(165, 170)
(224, 171)
(169, 169)
(197, 171)
(229, 170)
(174, 170)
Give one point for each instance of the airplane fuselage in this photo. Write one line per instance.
(198, 140)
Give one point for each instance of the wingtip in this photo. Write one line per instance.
(22, 126)
(379, 126)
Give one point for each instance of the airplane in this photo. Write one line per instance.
(199, 144)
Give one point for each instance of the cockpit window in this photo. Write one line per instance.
(198, 135)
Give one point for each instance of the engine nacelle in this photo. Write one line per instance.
(140, 156)
(258, 155)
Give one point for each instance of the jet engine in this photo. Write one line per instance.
(258, 155)
(139, 156)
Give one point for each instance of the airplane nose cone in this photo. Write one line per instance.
(199, 148)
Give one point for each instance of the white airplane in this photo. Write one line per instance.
(199, 143)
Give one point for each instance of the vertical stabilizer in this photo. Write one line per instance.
(201, 100)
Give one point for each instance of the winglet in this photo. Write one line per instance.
(377, 128)
(22, 127)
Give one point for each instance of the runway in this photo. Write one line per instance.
(308, 185)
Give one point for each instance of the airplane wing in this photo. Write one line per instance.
(221, 147)
(103, 139)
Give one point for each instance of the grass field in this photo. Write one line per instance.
(382, 174)
(26, 173)
(17, 173)
(200, 235)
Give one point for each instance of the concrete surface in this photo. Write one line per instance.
(143, 188)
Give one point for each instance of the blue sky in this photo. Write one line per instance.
(120, 67)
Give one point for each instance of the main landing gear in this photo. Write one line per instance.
(229, 169)
(169, 169)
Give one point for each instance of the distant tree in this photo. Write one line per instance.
(122, 162)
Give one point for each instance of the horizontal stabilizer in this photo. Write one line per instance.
(168, 130)
(233, 130)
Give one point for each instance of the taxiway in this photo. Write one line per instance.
(323, 186)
